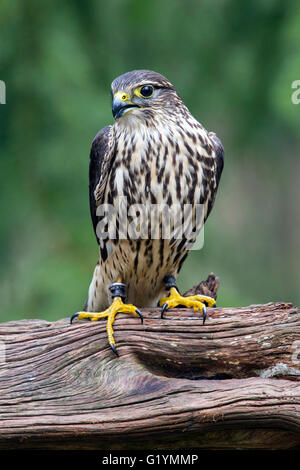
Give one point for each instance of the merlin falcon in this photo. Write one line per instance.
(156, 154)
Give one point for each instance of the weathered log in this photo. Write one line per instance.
(231, 383)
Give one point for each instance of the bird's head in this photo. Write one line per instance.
(142, 93)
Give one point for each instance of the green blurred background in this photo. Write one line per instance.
(233, 63)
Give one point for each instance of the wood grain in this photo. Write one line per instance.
(233, 382)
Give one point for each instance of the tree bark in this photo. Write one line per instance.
(231, 383)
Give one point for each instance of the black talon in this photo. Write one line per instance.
(214, 306)
(204, 313)
(73, 316)
(164, 308)
(113, 347)
(140, 314)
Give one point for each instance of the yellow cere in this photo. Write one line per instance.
(121, 95)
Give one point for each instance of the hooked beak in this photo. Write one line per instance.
(121, 103)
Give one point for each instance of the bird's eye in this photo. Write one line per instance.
(146, 91)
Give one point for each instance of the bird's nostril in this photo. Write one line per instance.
(124, 97)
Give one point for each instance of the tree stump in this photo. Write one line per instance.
(231, 383)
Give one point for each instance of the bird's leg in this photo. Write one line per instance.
(117, 290)
(197, 302)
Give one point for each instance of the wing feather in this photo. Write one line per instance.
(219, 159)
(101, 157)
(219, 164)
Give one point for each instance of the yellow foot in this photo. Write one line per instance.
(110, 313)
(197, 302)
